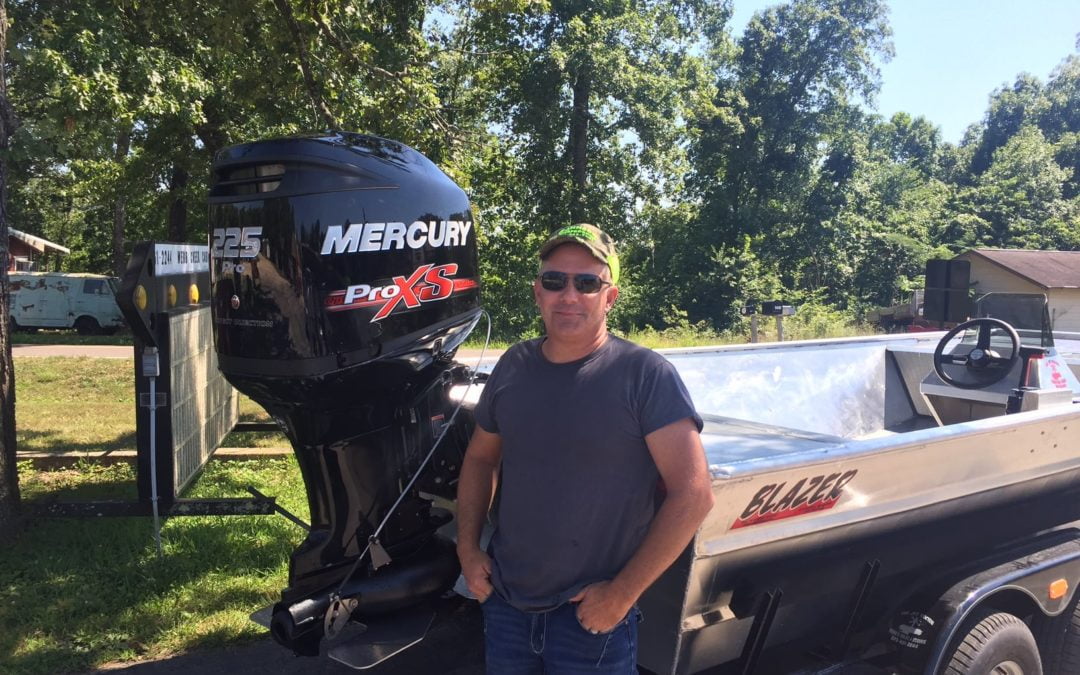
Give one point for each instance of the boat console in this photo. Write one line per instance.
(1004, 361)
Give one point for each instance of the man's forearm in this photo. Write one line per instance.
(475, 488)
(670, 531)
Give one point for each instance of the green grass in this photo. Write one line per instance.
(74, 404)
(476, 341)
(250, 411)
(692, 336)
(68, 337)
(814, 321)
(65, 404)
(78, 593)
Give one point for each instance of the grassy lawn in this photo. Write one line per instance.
(808, 327)
(65, 404)
(78, 593)
(74, 404)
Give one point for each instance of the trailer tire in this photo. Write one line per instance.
(87, 325)
(995, 642)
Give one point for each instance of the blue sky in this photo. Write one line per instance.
(951, 54)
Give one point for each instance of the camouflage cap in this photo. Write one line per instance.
(598, 242)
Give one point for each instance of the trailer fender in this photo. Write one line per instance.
(1042, 581)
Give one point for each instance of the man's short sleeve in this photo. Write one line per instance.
(663, 398)
(485, 407)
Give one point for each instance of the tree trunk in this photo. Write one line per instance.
(178, 205)
(579, 142)
(211, 133)
(123, 145)
(314, 91)
(9, 477)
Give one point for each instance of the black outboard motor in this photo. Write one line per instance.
(344, 278)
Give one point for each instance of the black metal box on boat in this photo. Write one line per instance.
(344, 277)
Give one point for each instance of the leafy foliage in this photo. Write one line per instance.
(728, 170)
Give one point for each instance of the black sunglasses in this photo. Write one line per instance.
(584, 283)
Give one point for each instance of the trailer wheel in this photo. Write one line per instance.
(87, 325)
(997, 643)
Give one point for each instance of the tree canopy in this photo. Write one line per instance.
(729, 170)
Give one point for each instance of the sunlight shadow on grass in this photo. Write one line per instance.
(75, 593)
(57, 440)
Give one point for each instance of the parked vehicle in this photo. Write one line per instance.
(85, 302)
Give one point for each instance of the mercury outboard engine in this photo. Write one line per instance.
(344, 278)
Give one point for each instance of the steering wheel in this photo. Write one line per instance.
(985, 364)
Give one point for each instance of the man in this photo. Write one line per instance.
(576, 428)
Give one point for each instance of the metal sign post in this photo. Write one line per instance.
(151, 368)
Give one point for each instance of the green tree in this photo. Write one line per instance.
(1018, 202)
(591, 100)
(895, 202)
(1010, 109)
(1060, 120)
(777, 148)
(127, 102)
(94, 84)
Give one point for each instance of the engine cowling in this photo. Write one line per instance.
(344, 276)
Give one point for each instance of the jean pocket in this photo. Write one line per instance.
(619, 652)
(614, 628)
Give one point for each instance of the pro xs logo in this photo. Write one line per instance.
(777, 500)
(427, 283)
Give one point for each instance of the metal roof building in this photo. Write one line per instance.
(1056, 274)
(26, 250)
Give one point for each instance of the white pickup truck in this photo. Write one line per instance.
(85, 302)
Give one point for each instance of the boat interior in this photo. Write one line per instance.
(764, 400)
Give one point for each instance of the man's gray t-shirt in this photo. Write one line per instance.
(577, 482)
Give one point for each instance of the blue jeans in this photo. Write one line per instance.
(554, 643)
